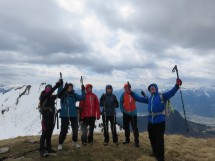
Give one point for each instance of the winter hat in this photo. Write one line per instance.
(48, 85)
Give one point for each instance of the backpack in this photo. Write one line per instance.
(41, 106)
(168, 108)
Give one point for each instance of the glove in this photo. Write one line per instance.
(143, 93)
(61, 80)
(82, 88)
(59, 83)
(66, 85)
(179, 82)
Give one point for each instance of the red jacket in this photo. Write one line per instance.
(90, 106)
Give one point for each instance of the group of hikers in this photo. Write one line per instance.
(89, 112)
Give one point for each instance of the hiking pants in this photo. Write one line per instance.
(65, 122)
(88, 121)
(112, 120)
(47, 129)
(127, 120)
(156, 137)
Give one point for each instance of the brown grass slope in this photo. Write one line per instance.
(178, 148)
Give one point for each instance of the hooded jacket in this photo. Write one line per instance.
(68, 101)
(109, 103)
(49, 98)
(155, 104)
(90, 106)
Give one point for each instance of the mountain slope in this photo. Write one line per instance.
(19, 116)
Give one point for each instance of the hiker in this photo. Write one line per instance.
(129, 110)
(156, 119)
(68, 113)
(47, 103)
(109, 102)
(90, 111)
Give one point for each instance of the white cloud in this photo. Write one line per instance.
(107, 41)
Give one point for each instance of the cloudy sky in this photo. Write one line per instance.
(108, 42)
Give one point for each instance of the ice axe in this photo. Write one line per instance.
(81, 80)
(57, 111)
(60, 75)
(175, 69)
(80, 110)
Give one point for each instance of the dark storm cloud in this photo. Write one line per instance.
(41, 32)
(36, 29)
(189, 24)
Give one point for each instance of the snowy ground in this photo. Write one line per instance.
(20, 117)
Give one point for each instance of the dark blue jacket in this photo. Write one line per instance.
(109, 103)
(155, 104)
(68, 101)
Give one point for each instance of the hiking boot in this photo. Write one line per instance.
(152, 154)
(126, 142)
(105, 143)
(60, 147)
(43, 154)
(51, 150)
(75, 144)
(117, 143)
(84, 143)
(137, 145)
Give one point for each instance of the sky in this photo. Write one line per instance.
(107, 42)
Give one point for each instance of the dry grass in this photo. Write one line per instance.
(178, 148)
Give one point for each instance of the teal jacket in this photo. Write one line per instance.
(68, 102)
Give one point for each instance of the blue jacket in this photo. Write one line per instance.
(155, 103)
(68, 101)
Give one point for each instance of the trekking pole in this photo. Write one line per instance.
(114, 123)
(105, 125)
(80, 109)
(56, 110)
(175, 69)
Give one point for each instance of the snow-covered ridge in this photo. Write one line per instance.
(19, 115)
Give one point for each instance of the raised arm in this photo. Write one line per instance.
(46, 95)
(170, 93)
(139, 99)
(61, 91)
(80, 97)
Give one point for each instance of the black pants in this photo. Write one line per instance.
(88, 121)
(127, 120)
(65, 122)
(47, 130)
(112, 120)
(156, 136)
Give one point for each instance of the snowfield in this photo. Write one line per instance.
(19, 115)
